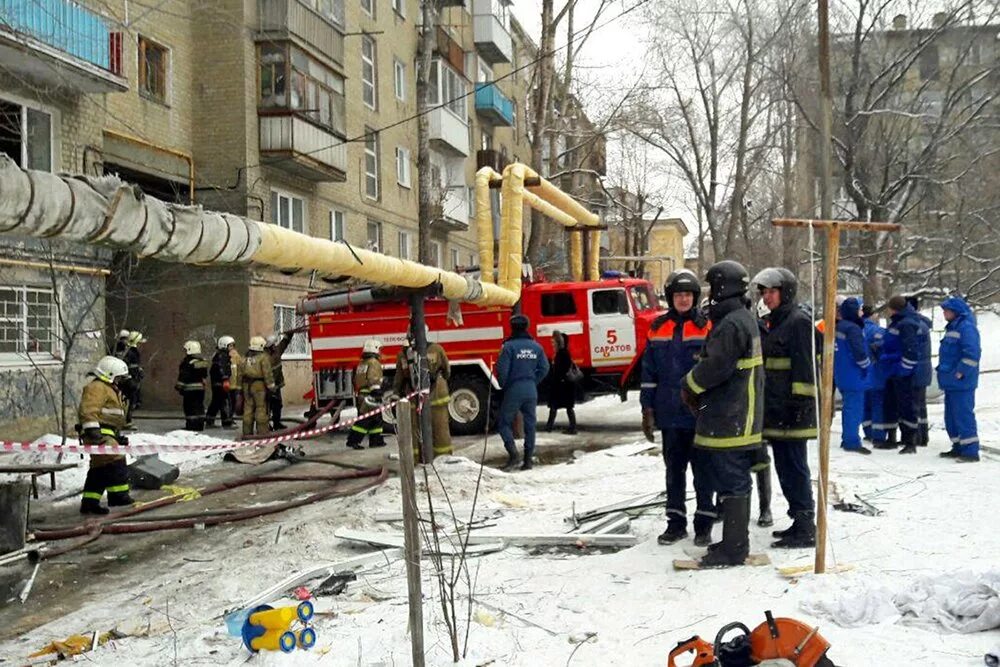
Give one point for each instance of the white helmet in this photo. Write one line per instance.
(257, 344)
(226, 341)
(192, 347)
(124, 333)
(135, 338)
(372, 346)
(110, 368)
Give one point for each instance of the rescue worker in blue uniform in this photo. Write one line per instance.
(851, 364)
(920, 389)
(675, 340)
(789, 400)
(872, 421)
(906, 356)
(725, 391)
(958, 376)
(521, 366)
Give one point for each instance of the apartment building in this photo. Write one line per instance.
(296, 112)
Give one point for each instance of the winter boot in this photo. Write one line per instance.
(908, 449)
(967, 458)
(93, 506)
(512, 461)
(735, 545)
(703, 538)
(209, 423)
(572, 422)
(551, 422)
(801, 535)
(765, 519)
(527, 465)
(120, 498)
(675, 532)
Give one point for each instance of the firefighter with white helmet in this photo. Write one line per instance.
(132, 389)
(257, 379)
(121, 345)
(220, 376)
(191, 377)
(275, 346)
(407, 380)
(368, 396)
(102, 418)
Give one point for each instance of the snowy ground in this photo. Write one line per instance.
(536, 608)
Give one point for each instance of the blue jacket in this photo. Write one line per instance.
(850, 356)
(521, 360)
(960, 350)
(874, 338)
(674, 345)
(907, 348)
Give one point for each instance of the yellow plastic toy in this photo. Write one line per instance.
(270, 629)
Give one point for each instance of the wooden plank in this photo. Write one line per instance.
(793, 571)
(838, 224)
(753, 560)
(37, 468)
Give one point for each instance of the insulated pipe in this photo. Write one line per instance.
(594, 269)
(561, 200)
(576, 255)
(484, 223)
(512, 229)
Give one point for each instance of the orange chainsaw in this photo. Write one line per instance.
(777, 642)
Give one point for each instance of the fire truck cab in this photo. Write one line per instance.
(606, 322)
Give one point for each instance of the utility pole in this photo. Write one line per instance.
(826, 119)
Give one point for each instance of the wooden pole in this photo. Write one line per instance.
(411, 530)
(833, 229)
(826, 114)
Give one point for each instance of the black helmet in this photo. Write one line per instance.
(682, 280)
(778, 278)
(519, 322)
(726, 279)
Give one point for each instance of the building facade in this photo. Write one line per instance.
(297, 112)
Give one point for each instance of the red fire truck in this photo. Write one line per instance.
(606, 322)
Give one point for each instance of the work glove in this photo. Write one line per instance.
(122, 440)
(92, 436)
(690, 399)
(647, 424)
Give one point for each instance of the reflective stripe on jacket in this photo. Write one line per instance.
(960, 350)
(672, 349)
(790, 389)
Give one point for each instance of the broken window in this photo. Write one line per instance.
(26, 135)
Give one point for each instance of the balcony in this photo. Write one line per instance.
(453, 212)
(448, 133)
(493, 106)
(489, 31)
(60, 44)
(297, 21)
(492, 159)
(302, 148)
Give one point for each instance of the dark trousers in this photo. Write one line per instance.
(274, 405)
(570, 414)
(522, 398)
(678, 452)
(907, 409)
(111, 477)
(194, 409)
(728, 470)
(370, 427)
(792, 465)
(923, 425)
(220, 405)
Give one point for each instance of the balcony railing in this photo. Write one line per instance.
(493, 105)
(302, 148)
(489, 30)
(281, 19)
(448, 133)
(69, 45)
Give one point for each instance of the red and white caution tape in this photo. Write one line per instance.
(79, 447)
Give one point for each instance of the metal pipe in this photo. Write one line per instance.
(74, 268)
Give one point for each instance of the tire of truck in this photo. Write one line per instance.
(469, 407)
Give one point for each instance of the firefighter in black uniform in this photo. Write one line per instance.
(789, 400)
(191, 376)
(725, 391)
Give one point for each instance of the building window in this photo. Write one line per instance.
(27, 322)
(368, 7)
(286, 319)
(470, 196)
(371, 164)
(473, 260)
(374, 232)
(403, 166)
(399, 79)
(454, 259)
(292, 80)
(288, 211)
(26, 135)
(154, 67)
(448, 88)
(331, 10)
(369, 78)
(435, 253)
(404, 245)
(336, 225)
(399, 6)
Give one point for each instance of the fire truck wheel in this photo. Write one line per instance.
(469, 406)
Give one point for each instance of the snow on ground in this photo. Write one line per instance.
(535, 608)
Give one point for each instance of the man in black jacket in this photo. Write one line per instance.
(725, 391)
(789, 399)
